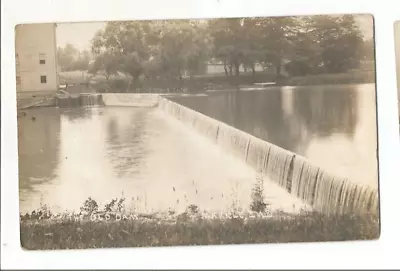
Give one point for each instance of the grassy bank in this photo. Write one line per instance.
(194, 84)
(354, 77)
(194, 230)
(205, 82)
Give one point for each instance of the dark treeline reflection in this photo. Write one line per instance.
(38, 146)
(326, 110)
(76, 114)
(289, 118)
(125, 141)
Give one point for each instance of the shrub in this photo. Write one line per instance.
(258, 204)
(90, 206)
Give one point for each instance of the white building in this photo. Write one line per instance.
(36, 58)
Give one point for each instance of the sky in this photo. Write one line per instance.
(80, 34)
(77, 34)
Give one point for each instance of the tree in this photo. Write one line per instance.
(305, 57)
(340, 40)
(82, 62)
(252, 51)
(170, 49)
(70, 58)
(182, 47)
(277, 38)
(229, 42)
(122, 46)
(248, 41)
(368, 50)
(175, 49)
(66, 56)
(326, 44)
(104, 62)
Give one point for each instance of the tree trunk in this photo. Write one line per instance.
(253, 68)
(230, 70)
(237, 69)
(129, 85)
(278, 70)
(180, 85)
(226, 69)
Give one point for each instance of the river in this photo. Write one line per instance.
(333, 126)
(154, 161)
(159, 164)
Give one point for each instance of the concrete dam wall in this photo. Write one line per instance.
(79, 100)
(109, 99)
(323, 191)
(131, 99)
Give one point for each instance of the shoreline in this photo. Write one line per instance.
(188, 229)
(205, 93)
(44, 230)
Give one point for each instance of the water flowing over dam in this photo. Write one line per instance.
(79, 100)
(149, 118)
(323, 191)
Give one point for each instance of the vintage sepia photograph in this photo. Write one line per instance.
(197, 132)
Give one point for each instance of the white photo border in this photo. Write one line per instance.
(369, 254)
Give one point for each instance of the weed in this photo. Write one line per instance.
(90, 206)
(258, 203)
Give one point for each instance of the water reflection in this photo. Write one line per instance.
(112, 130)
(286, 117)
(311, 121)
(65, 156)
(76, 114)
(38, 147)
(126, 148)
(326, 111)
(148, 157)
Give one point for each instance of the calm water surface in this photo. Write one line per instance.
(157, 163)
(151, 159)
(333, 126)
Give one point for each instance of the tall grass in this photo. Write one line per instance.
(113, 226)
(68, 234)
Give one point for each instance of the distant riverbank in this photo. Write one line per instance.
(355, 77)
(201, 85)
(198, 84)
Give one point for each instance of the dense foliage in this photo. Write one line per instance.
(176, 54)
(71, 59)
(178, 48)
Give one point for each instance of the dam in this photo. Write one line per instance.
(165, 152)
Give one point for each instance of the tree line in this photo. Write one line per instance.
(71, 59)
(175, 49)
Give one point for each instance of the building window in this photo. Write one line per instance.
(43, 79)
(42, 59)
(18, 80)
